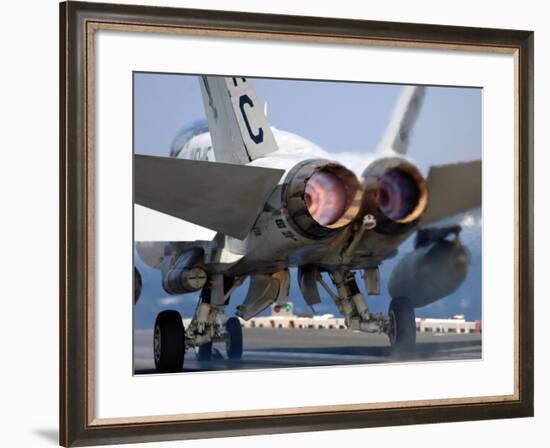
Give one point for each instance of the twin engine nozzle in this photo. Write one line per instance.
(395, 193)
(321, 197)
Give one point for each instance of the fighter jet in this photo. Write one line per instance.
(276, 202)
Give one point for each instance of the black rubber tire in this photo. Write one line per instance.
(234, 338)
(170, 352)
(403, 329)
(205, 352)
(137, 285)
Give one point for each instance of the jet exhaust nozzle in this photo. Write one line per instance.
(321, 197)
(395, 193)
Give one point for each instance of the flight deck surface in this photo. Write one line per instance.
(279, 348)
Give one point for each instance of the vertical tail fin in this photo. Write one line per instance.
(404, 116)
(238, 127)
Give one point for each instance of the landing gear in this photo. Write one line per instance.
(230, 333)
(402, 325)
(209, 325)
(169, 342)
(137, 285)
(234, 338)
(205, 352)
(399, 324)
(351, 303)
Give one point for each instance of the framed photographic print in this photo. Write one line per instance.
(258, 209)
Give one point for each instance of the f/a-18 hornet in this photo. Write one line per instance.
(275, 203)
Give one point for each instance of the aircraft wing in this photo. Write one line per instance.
(452, 189)
(238, 127)
(220, 196)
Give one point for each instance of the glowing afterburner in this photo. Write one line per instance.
(321, 197)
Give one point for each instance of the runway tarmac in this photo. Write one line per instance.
(278, 348)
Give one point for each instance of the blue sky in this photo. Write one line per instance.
(338, 117)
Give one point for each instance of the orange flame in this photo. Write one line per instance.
(325, 197)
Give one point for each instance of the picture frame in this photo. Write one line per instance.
(79, 23)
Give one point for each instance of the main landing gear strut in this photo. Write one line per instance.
(399, 324)
(209, 325)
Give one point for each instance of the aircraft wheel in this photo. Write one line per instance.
(205, 351)
(137, 285)
(234, 338)
(169, 342)
(402, 332)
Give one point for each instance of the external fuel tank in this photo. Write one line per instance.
(430, 273)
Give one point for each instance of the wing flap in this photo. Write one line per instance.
(220, 196)
(452, 189)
